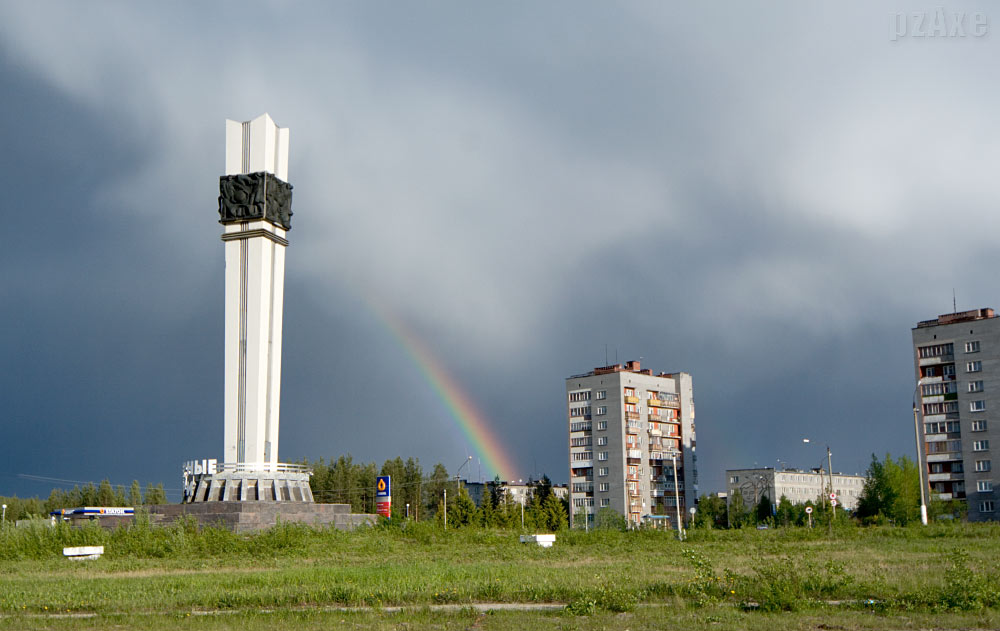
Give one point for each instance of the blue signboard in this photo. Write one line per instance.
(382, 486)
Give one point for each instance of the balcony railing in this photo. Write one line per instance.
(632, 400)
(633, 427)
(632, 416)
(655, 403)
(635, 453)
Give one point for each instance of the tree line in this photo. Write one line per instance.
(344, 481)
(103, 494)
(890, 495)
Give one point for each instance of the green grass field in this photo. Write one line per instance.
(943, 576)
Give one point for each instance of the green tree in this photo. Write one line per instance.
(609, 519)
(891, 492)
(461, 510)
(105, 494)
(711, 512)
(739, 512)
(553, 514)
(413, 476)
(786, 515)
(763, 509)
(135, 494)
(155, 494)
(434, 488)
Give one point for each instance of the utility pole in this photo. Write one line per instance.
(833, 507)
(920, 461)
(446, 509)
(677, 498)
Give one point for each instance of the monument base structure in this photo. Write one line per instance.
(206, 481)
(245, 517)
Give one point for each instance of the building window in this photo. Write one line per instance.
(605, 502)
(584, 441)
(977, 406)
(603, 471)
(979, 426)
(602, 440)
(975, 386)
(984, 486)
(983, 466)
(583, 455)
(947, 370)
(602, 425)
(976, 366)
(734, 479)
(603, 455)
(603, 409)
(937, 350)
(604, 487)
(941, 427)
(580, 411)
(602, 394)
(937, 389)
(986, 507)
(980, 445)
(579, 396)
(972, 347)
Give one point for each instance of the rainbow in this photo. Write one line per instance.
(469, 420)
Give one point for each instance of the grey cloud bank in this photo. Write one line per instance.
(767, 200)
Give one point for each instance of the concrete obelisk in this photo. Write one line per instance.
(255, 210)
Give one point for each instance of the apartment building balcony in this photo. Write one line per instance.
(633, 427)
(582, 464)
(634, 453)
(583, 488)
(946, 477)
(632, 400)
(584, 426)
(939, 359)
(655, 403)
(632, 416)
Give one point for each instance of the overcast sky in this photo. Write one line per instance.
(768, 200)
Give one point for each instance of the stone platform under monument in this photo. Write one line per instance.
(252, 516)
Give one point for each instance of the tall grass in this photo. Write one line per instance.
(183, 567)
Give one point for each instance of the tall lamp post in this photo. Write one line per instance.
(4, 514)
(920, 461)
(458, 480)
(677, 497)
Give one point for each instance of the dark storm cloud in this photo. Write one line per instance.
(747, 196)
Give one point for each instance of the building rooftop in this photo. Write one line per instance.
(631, 366)
(961, 316)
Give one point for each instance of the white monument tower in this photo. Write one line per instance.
(255, 201)
(256, 159)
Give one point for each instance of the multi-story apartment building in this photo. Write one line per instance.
(797, 485)
(957, 365)
(631, 434)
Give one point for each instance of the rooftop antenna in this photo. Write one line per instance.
(616, 355)
(954, 304)
(605, 354)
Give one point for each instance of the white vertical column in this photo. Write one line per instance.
(255, 273)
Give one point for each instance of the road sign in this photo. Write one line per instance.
(383, 495)
(833, 503)
(809, 509)
(833, 496)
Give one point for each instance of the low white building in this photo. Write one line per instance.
(797, 485)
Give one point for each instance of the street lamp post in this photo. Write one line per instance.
(677, 497)
(920, 463)
(4, 520)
